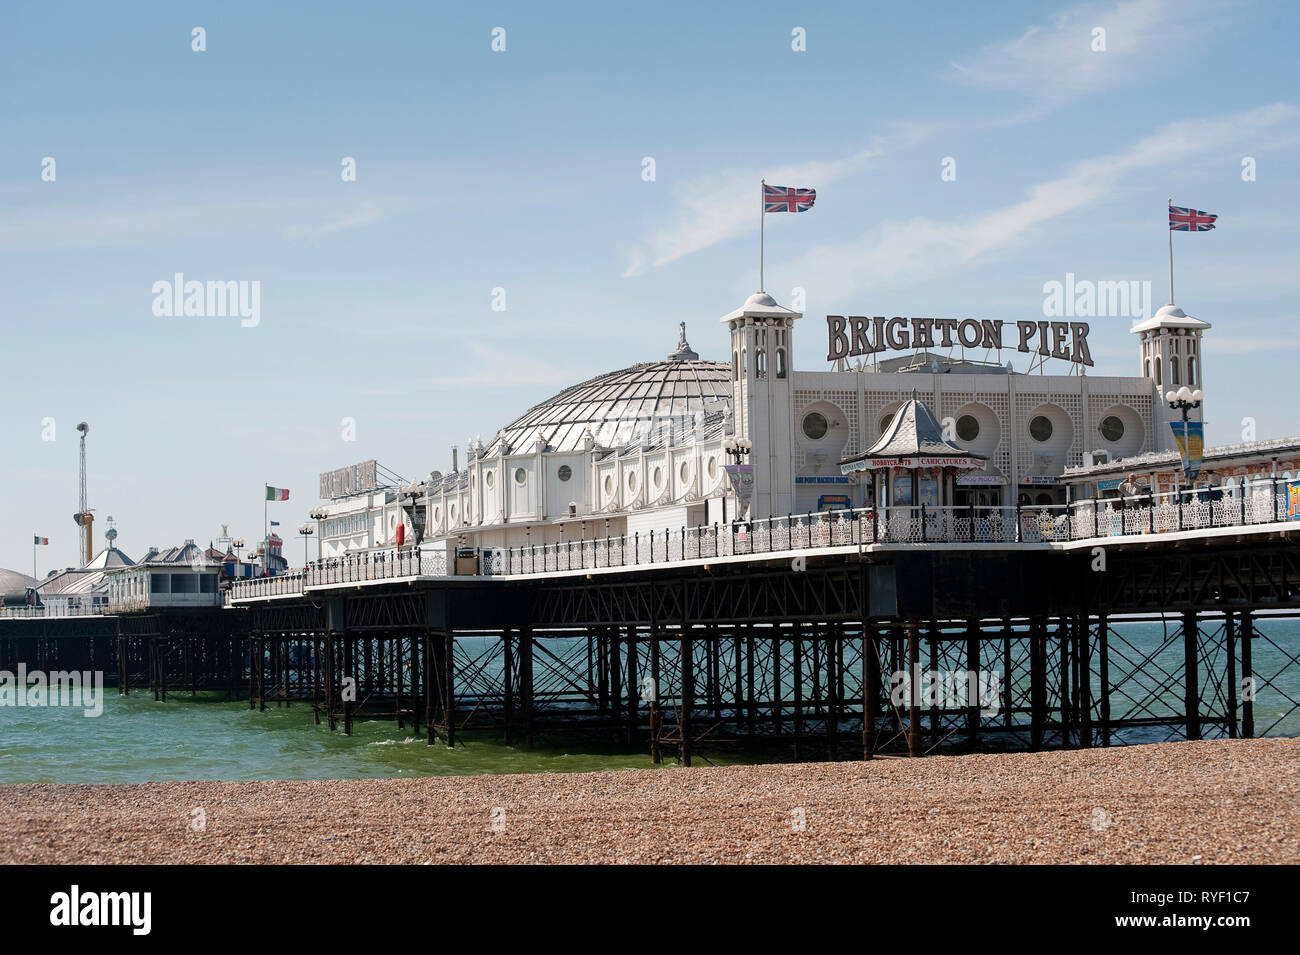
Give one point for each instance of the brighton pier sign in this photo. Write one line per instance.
(858, 335)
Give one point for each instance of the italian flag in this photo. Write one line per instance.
(40, 540)
(277, 493)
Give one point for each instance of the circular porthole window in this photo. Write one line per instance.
(1112, 428)
(609, 484)
(713, 469)
(631, 481)
(658, 476)
(968, 427)
(521, 476)
(564, 473)
(1040, 428)
(488, 479)
(684, 472)
(814, 426)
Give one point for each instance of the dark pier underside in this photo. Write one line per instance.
(800, 655)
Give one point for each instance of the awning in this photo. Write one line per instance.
(913, 439)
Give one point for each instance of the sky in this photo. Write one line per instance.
(598, 177)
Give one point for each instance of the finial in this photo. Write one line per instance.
(683, 352)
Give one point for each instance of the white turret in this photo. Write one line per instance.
(762, 399)
(1170, 343)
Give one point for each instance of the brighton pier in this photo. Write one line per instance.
(941, 516)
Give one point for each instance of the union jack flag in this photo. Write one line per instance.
(786, 199)
(1182, 219)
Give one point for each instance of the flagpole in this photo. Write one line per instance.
(34, 577)
(1171, 259)
(762, 221)
(266, 538)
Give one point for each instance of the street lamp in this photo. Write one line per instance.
(1184, 400)
(306, 530)
(738, 449)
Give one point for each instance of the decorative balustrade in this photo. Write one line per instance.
(1082, 520)
(7, 613)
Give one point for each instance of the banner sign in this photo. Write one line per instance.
(834, 502)
(1042, 479)
(1109, 485)
(1190, 438)
(858, 335)
(969, 480)
(742, 482)
(821, 479)
(1292, 500)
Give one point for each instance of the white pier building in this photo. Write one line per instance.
(645, 448)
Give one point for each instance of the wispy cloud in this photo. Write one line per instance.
(713, 209)
(1060, 61)
(365, 214)
(901, 252)
(144, 221)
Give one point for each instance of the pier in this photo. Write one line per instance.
(856, 635)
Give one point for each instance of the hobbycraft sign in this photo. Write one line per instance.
(856, 335)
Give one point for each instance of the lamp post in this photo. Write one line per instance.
(319, 515)
(306, 530)
(1184, 400)
(738, 449)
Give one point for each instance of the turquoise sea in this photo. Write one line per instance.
(208, 737)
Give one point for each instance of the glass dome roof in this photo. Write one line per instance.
(623, 406)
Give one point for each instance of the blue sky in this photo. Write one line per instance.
(522, 170)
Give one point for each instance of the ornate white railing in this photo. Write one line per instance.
(1166, 513)
(19, 613)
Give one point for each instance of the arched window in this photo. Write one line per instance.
(780, 363)
(1146, 368)
(1173, 370)
(744, 364)
(1191, 371)
(760, 363)
(1158, 381)
(735, 366)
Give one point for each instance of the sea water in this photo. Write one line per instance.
(208, 737)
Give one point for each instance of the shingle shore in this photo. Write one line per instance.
(1227, 801)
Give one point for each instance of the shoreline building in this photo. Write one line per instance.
(647, 447)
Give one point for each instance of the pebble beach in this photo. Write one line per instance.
(1225, 801)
